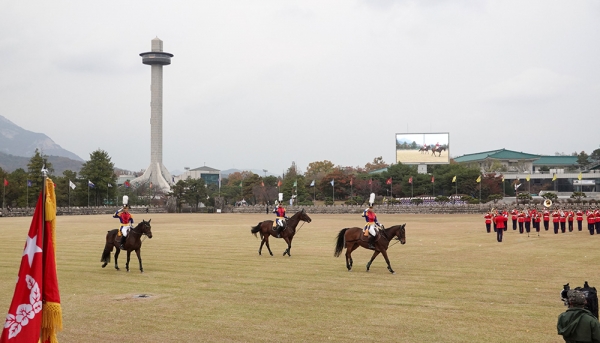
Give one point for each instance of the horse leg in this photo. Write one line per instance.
(289, 244)
(117, 258)
(372, 258)
(262, 242)
(289, 249)
(137, 252)
(387, 260)
(349, 250)
(267, 243)
(128, 257)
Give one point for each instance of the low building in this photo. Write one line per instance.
(210, 175)
(564, 171)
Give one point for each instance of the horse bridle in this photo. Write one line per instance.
(145, 223)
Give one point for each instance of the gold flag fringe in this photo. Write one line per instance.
(51, 321)
(51, 311)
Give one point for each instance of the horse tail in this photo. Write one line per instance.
(108, 247)
(256, 229)
(341, 240)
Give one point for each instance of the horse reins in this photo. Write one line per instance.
(139, 233)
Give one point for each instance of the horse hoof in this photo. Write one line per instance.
(393, 273)
(271, 253)
(104, 265)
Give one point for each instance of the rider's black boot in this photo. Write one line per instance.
(123, 239)
(371, 242)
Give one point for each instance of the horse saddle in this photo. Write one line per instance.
(365, 237)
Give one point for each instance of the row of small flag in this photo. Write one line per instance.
(72, 185)
(410, 180)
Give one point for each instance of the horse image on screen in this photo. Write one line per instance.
(423, 148)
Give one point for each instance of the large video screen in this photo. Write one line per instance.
(423, 148)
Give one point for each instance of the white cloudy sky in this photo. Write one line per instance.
(259, 84)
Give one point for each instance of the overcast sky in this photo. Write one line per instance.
(259, 84)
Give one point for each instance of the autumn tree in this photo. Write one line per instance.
(378, 163)
(318, 169)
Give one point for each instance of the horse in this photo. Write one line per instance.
(353, 237)
(438, 150)
(266, 229)
(424, 149)
(132, 243)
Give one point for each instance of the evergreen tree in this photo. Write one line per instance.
(100, 171)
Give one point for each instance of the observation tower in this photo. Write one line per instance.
(156, 175)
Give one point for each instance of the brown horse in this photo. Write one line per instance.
(132, 243)
(438, 150)
(266, 229)
(353, 237)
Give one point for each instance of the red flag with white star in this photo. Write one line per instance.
(24, 320)
(35, 314)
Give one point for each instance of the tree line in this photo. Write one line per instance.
(96, 185)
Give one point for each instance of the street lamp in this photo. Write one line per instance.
(265, 172)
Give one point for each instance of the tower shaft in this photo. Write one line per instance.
(156, 116)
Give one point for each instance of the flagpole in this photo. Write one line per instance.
(69, 196)
(411, 190)
(4, 195)
(27, 194)
(480, 191)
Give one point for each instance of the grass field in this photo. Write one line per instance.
(453, 282)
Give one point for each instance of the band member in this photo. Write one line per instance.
(563, 221)
(126, 221)
(279, 210)
(537, 220)
(591, 220)
(555, 220)
(546, 215)
(527, 221)
(500, 220)
(597, 220)
(488, 221)
(514, 214)
(579, 218)
(532, 213)
(570, 217)
(521, 220)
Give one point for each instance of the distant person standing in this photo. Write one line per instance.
(521, 220)
(591, 220)
(570, 217)
(536, 222)
(546, 215)
(555, 220)
(579, 218)
(488, 221)
(515, 214)
(563, 221)
(597, 220)
(527, 221)
(499, 219)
